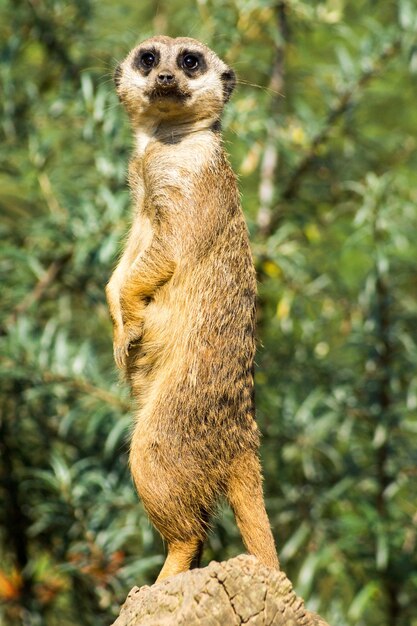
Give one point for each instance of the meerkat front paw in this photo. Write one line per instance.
(120, 352)
(122, 340)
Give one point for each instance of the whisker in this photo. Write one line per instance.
(263, 87)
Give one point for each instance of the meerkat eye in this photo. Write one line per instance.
(190, 62)
(147, 59)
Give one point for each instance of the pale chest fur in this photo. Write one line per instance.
(169, 180)
(177, 165)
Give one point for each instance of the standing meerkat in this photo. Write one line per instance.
(182, 300)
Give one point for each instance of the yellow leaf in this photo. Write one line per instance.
(271, 269)
(298, 135)
(251, 161)
(284, 306)
(312, 232)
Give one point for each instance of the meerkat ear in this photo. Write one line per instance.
(117, 75)
(229, 81)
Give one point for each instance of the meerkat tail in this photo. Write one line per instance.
(245, 496)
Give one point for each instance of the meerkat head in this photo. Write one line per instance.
(179, 79)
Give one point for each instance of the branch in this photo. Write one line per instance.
(48, 37)
(344, 101)
(269, 164)
(16, 521)
(41, 286)
(49, 195)
(88, 388)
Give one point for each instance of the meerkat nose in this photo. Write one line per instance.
(164, 78)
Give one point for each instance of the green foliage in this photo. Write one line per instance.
(322, 133)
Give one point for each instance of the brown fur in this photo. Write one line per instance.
(182, 300)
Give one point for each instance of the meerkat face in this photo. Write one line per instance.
(165, 78)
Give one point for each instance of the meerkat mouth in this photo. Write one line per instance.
(168, 93)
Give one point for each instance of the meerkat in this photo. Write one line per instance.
(182, 300)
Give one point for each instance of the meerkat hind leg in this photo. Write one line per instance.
(246, 498)
(181, 555)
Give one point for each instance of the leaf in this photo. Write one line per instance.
(307, 573)
(87, 88)
(117, 436)
(61, 472)
(382, 549)
(292, 546)
(363, 598)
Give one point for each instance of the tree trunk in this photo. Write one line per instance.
(234, 592)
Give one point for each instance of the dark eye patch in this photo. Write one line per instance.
(192, 63)
(146, 59)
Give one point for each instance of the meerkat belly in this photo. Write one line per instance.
(196, 357)
(203, 307)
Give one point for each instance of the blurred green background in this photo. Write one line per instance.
(322, 132)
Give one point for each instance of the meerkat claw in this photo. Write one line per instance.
(119, 358)
(121, 352)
